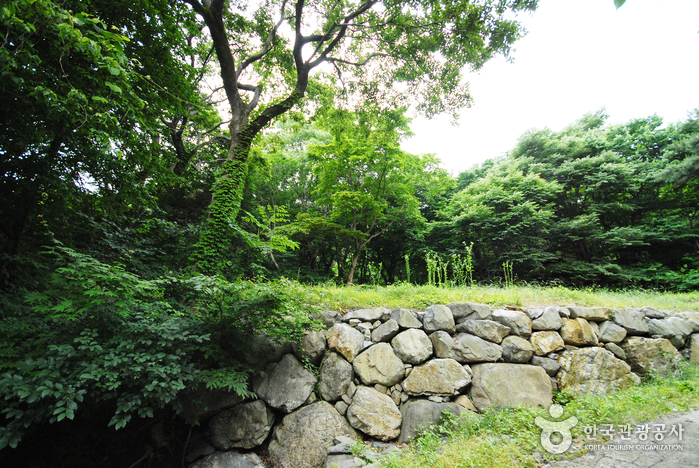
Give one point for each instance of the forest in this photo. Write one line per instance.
(169, 169)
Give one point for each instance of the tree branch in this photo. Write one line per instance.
(266, 47)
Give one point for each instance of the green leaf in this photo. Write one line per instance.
(114, 71)
(113, 87)
(619, 3)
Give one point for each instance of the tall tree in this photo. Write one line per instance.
(380, 49)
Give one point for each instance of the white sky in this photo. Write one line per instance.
(578, 56)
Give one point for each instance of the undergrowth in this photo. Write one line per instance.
(403, 295)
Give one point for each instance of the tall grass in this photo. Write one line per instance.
(410, 296)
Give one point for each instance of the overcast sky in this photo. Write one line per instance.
(578, 56)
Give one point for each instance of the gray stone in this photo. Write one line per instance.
(633, 321)
(509, 386)
(578, 332)
(550, 319)
(438, 317)
(653, 313)
(592, 314)
(465, 401)
(516, 349)
(202, 403)
(230, 459)
(616, 350)
(419, 415)
(437, 377)
(405, 318)
(379, 364)
(286, 386)
(691, 317)
(593, 371)
(515, 320)
(304, 436)
(694, 349)
(610, 332)
(330, 318)
(366, 315)
(245, 426)
(486, 329)
(650, 355)
(442, 344)
(343, 461)
(341, 407)
(470, 348)
(345, 340)
(385, 332)
(412, 346)
(469, 311)
(546, 342)
(674, 329)
(336, 375)
(551, 366)
(197, 449)
(375, 414)
(534, 314)
(264, 350)
(312, 347)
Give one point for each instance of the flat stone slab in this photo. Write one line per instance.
(497, 385)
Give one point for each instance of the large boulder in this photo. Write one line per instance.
(694, 349)
(375, 414)
(594, 371)
(551, 366)
(675, 329)
(592, 314)
(379, 365)
(653, 313)
(366, 315)
(497, 385)
(336, 375)
(285, 385)
(469, 311)
(412, 346)
(419, 415)
(303, 437)
(515, 320)
(550, 319)
(516, 349)
(633, 321)
(246, 426)
(437, 377)
(312, 347)
(650, 354)
(470, 348)
(692, 317)
(345, 340)
(385, 332)
(230, 459)
(578, 332)
(546, 342)
(264, 350)
(442, 344)
(405, 318)
(610, 332)
(486, 329)
(202, 403)
(438, 317)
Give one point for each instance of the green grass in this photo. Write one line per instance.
(331, 297)
(511, 438)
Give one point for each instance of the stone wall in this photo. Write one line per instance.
(383, 374)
